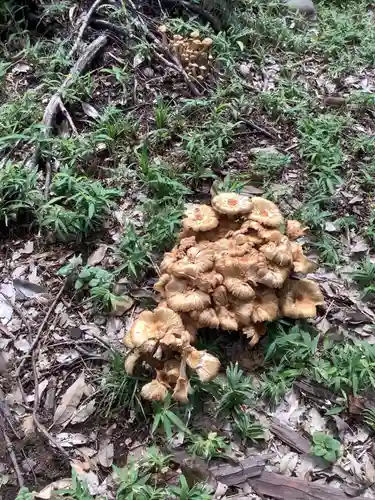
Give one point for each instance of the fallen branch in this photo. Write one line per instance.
(290, 437)
(39, 332)
(85, 23)
(13, 457)
(53, 105)
(288, 488)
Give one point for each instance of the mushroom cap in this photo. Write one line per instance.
(279, 253)
(239, 289)
(127, 341)
(243, 311)
(207, 282)
(271, 275)
(192, 300)
(181, 390)
(143, 329)
(301, 264)
(199, 218)
(254, 332)
(273, 235)
(294, 229)
(266, 306)
(220, 296)
(168, 321)
(131, 360)
(169, 259)
(265, 212)
(231, 204)
(227, 318)
(154, 391)
(207, 42)
(299, 298)
(208, 318)
(204, 363)
(195, 34)
(172, 370)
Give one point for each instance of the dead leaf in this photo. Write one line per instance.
(97, 256)
(61, 484)
(288, 463)
(316, 422)
(27, 425)
(355, 465)
(90, 110)
(122, 304)
(369, 468)
(27, 290)
(330, 227)
(84, 412)
(68, 439)
(138, 59)
(70, 401)
(360, 246)
(143, 293)
(28, 248)
(89, 478)
(105, 453)
(20, 68)
(22, 345)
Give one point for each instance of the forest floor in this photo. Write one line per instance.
(103, 139)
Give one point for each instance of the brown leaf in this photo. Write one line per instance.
(121, 305)
(105, 453)
(70, 401)
(84, 412)
(97, 256)
(90, 110)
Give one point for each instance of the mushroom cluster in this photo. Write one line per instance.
(231, 269)
(193, 52)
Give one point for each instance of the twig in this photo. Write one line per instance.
(54, 103)
(85, 23)
(39, 332)
(68, 117)
(13, 457)
(260, 129)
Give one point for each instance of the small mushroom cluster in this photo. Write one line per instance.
(193, 52)
(231, 269)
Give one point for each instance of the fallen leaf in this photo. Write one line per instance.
(90, 110)
(28, 247)
(122, 304)
(105, 453)
(369, 468)
(89, 478)
(288, 463)
(22, 345)
(316, 422)
(330, 227)
(27, 290)
(359, 247)
(20, 68)
(97, 256)
(61, 484)
(138, 59)
(84, 412)
(27, 425)
(143, 293)
(356, 467)
(68, 440)
(70, 401)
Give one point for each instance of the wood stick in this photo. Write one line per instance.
(84, 25)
